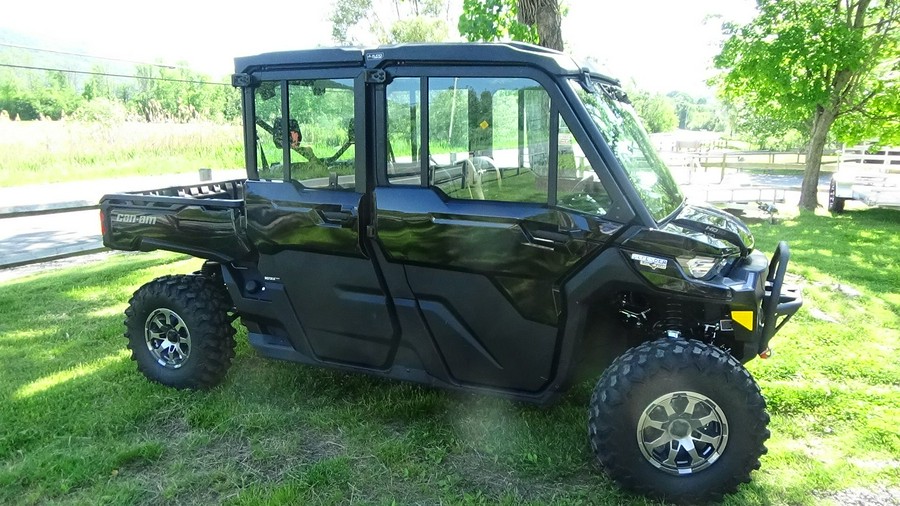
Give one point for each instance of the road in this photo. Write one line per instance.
(49, 235)
(713, 175)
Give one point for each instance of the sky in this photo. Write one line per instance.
(662, 45)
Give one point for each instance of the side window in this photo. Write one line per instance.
(268, 117)
(404, 118)
(577, 185)
(488, 138)
(320, 127)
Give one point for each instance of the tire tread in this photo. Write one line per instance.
(206, 305)
(638, 366)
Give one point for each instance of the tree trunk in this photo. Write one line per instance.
(545, 16)
(825, 116)
(809, 191)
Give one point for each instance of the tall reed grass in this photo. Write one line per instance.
(57, 151)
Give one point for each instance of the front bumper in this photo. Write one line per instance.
(746, 306)
(781, 300)
(763, 302)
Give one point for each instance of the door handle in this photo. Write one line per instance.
(343, 218)
(563, 236)
(547, 235)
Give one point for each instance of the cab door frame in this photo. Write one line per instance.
(458, 342)
(311, 241)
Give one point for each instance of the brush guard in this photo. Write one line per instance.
(780, 300)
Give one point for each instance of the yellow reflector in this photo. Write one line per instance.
(745, 318)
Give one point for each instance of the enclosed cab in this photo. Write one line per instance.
(479, 217)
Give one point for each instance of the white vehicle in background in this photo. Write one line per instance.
(873, 178)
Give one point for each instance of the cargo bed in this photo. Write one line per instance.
(204, 220)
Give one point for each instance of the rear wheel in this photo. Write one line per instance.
(835, 203)
(179, 331)
(678, 420)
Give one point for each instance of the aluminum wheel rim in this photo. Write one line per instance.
(682, 432)
(168, 338)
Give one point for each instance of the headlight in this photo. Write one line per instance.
(699, 267)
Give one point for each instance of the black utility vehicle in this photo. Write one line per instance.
(480, 217)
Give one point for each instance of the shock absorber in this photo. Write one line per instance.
(673, 322)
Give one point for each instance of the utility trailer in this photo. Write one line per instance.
(869, 177)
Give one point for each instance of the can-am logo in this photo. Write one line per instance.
(143, 219)
(651, 262)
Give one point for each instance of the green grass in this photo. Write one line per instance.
(80, 425)
(834, 388)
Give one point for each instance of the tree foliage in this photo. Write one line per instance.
(813, 64)
(419, 29)
(346, 15)
(491, 20)
(698, 113)
(356, 22)
(180, 94)
(534, 21)
(52, 96)
(97, 85)
(177, 94)
(657, 111)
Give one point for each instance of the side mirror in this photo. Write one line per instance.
(266, 90)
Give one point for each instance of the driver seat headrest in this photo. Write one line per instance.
(277, 134)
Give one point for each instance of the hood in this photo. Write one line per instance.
(712, 226)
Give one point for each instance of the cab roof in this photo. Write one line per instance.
(507, 53)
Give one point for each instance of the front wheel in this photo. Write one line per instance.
(678, 420)
(179, 331)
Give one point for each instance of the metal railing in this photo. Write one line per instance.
(886, 161)
(760, 158)
(57, 252)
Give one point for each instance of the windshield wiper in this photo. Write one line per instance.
(616, 93)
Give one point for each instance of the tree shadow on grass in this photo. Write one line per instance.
(53, 317)
(50, 339)
(76, 413)
(857, 248)
(71, 436)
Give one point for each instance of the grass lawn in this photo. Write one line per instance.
(78, 424)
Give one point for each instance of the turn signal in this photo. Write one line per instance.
(766, 353)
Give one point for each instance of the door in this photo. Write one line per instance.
(305, 214)
(487, 201)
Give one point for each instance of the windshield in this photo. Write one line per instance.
(628, 141)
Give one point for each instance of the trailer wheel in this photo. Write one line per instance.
(835, 203)
(678, 420)
(179, 331)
